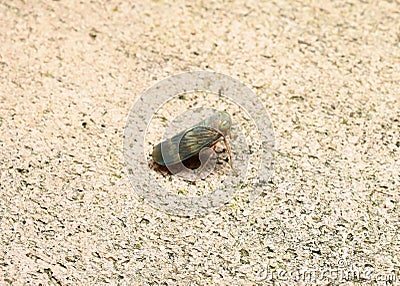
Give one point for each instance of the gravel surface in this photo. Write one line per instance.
(328, 73)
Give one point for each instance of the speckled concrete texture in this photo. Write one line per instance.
(328, 73)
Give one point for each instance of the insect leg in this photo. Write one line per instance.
(228, 149)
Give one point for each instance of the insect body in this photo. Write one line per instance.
(190, 142)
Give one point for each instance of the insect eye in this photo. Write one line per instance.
(225, 124)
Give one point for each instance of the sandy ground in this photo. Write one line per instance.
(328, 73)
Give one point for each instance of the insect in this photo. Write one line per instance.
(190, 142)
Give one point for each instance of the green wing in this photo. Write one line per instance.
(185, 145)
(196, 139)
